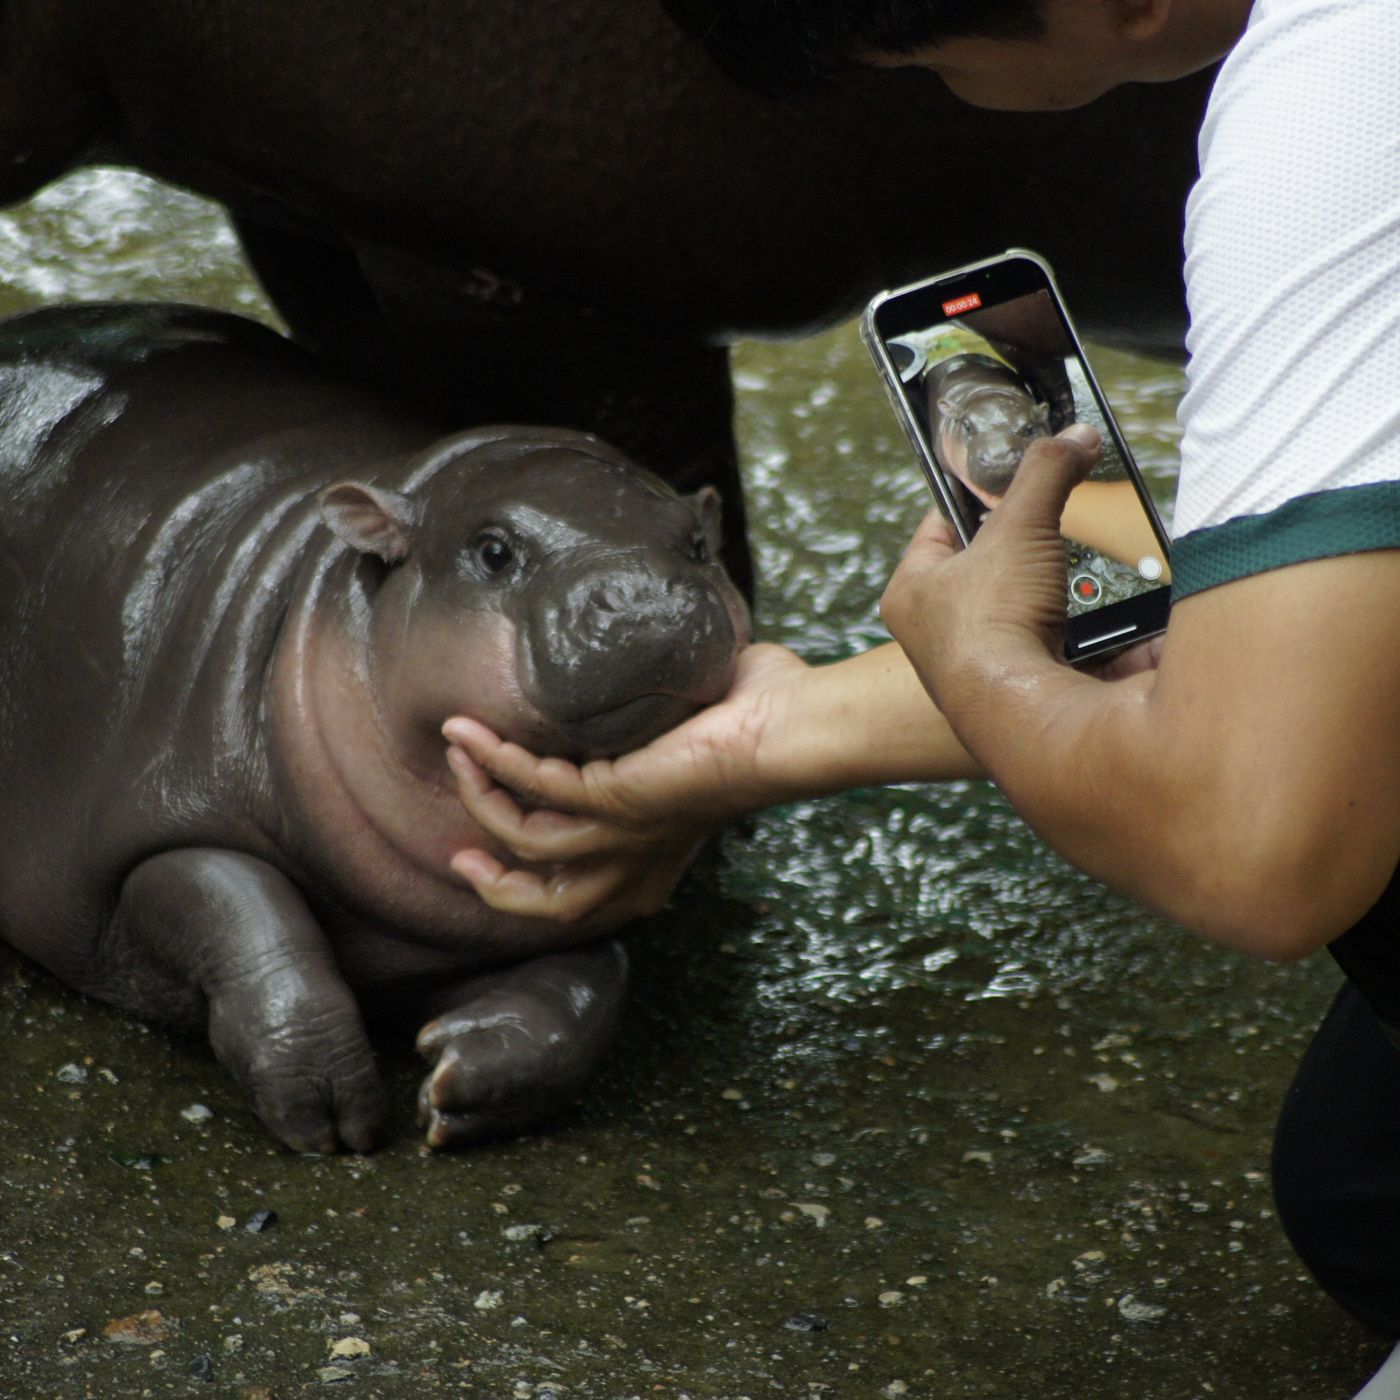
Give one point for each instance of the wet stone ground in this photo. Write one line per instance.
(902, 1105)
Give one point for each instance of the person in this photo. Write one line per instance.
(1244, 778)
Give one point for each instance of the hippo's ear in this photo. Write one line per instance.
(1042, 414)
(368, 519)
(947, 408)
(706, 504)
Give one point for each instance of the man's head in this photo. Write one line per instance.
(1019, 55)
(787, 46)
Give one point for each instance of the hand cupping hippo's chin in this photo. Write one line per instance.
(263, 596)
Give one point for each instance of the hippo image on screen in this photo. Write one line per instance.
(982, 417)
(238, 599)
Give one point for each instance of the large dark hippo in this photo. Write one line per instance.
(563, 212)
(238, 599)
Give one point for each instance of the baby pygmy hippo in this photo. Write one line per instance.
(238, 599)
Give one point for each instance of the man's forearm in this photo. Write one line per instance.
(1134, 783)
(861, 722)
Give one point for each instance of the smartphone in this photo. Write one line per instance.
(981, 361)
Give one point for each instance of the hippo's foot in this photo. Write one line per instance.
(236, 931)
(300, 1052)
(519, 1045)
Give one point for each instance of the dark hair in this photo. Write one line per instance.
(784, 47)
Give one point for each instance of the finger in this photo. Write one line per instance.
(1145, 656)
(552, 783)
(934, 537)
(535, 836)
(566, 896)
(933, 543)
(1049, 471)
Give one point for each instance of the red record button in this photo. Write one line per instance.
(1085, 588)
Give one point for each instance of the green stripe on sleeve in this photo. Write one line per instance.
(1347, 520)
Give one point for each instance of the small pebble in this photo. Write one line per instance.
(329, 1375)
(806, 1322)
(141, 1329)
(71, 1074)
(890, 1297)
(260, 1221)
(226, 1222)
(202, 1368)
(1130, 1308)
(487, 1299)
(348, 1347)
(137, 1161)
(76, 1335)
(197, 1113)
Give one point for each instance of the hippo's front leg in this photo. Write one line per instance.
(281, 1019)
(518, 1044)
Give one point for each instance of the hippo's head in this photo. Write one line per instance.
(994, 426)
(541, 582)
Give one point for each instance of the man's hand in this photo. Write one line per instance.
(968, 616)
(608, 841)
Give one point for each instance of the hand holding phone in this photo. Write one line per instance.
(981, 362)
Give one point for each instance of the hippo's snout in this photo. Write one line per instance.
(993, 463)
(625, 651)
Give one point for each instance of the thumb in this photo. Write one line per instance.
(1050, 470)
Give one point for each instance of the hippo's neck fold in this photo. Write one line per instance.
(373, 825)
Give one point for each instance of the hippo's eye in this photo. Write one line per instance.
(700, 547)
(493, 553)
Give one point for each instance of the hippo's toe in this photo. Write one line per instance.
(499, 1073)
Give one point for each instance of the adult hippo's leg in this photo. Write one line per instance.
(228, 933)
(475, 347)
(517, 1044)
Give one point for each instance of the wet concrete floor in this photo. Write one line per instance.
(902, 1104)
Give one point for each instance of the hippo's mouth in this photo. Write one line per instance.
(623, 727)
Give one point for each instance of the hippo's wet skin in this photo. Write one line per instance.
(562, 212)
(983, 418)
(237, 601)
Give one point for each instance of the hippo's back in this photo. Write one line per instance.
(157, 465)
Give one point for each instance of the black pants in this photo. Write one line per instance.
(1337, 1162)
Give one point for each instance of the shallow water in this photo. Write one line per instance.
(903, 1104)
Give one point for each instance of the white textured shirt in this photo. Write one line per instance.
(1291, 443)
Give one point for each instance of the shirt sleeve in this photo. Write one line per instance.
(1291, 420)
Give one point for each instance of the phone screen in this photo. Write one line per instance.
(983, 362)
